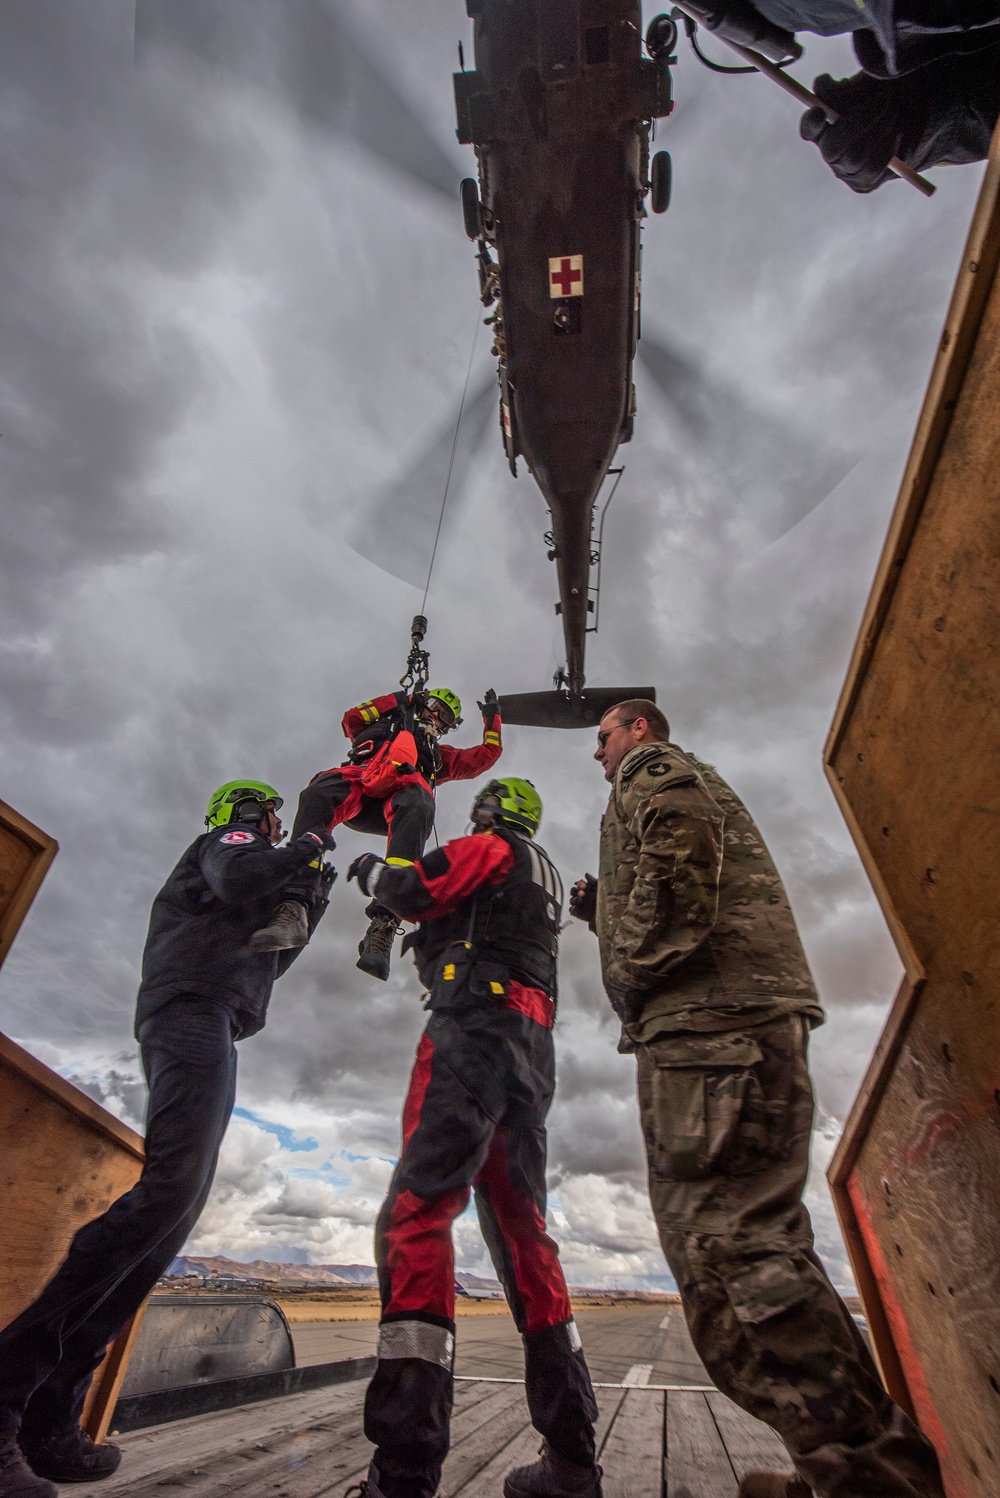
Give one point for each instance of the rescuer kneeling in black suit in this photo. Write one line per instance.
(488, 909)
(202, 989)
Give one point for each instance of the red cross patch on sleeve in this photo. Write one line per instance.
(566, 275)
(237, 837)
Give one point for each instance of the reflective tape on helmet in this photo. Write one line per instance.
(416, 1339)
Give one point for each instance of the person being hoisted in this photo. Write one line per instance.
(386, 786)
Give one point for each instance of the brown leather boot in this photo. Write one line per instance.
(288, 927)
(375, 952)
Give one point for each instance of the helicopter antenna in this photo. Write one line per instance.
(451, 464)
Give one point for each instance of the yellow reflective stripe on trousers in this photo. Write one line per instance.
(416, 1339)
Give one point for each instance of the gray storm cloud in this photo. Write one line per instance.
(235, 327)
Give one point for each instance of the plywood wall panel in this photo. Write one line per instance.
(914, 758)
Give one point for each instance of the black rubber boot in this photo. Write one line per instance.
(71, 1456)
(288, 927)
(375, 952)
(553, 1477)
(16, 1478)
(773, 1485)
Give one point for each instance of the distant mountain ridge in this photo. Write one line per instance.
(272, 1269)
(319, 1275)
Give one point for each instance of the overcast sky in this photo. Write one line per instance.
(237, 308)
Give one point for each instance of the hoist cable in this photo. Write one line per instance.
(451, 461)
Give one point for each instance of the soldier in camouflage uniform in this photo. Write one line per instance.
(704, 967)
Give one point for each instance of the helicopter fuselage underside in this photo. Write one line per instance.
(559, 109)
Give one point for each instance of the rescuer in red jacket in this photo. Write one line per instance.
(488, 909)
(387, 787)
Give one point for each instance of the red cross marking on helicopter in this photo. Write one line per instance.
(566, 275)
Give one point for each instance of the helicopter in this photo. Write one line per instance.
(316, 64)
(559, 108)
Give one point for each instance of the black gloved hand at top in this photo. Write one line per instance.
(490, 708)
(943, 112)
(873, 120)
(327, 878)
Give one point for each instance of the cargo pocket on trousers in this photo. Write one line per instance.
(706, 1107)
(765, 1289)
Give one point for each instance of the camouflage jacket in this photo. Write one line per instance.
(695, 929)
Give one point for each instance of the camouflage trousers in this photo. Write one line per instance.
(727, 1120)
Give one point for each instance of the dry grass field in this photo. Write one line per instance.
(363, 1305)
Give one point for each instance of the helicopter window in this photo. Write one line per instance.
(596, 44)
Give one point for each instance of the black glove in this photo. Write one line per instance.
(944, 112)
(366, 870)
(737, 21)
(490, 708)
(327, 878)
(318, 837)
(583, 902)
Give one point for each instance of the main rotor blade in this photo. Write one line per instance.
(397, 530)
(778, 475)
(301, 51)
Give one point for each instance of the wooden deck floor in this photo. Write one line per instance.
(652, 1445)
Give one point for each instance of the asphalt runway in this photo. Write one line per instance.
(632, 1344)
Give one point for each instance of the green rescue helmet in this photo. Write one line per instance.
(450, 700)
(225, 802)
(512, 801)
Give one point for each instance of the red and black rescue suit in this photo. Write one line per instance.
(489, 908)
(387, 784)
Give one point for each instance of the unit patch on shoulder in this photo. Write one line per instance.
(659, 769)
(237, 837)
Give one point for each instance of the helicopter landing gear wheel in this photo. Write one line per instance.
(471, 208)
(661, 177)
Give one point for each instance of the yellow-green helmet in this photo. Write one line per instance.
(513, 801)
(226, 800)
(449, 699)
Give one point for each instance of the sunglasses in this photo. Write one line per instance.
(605, 733)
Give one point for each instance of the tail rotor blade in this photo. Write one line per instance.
(560, 710)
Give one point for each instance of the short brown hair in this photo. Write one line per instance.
(643, 707)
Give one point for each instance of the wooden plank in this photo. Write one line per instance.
(25, 855)
(750, 1445)
(248, 1461)
(517, 1452)
(65, 1159)
(102, 1396)
(159, 1451)
(912, 759)
(632, 1457)
(696, 1464)
(298, 1446)
(476, 1436)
